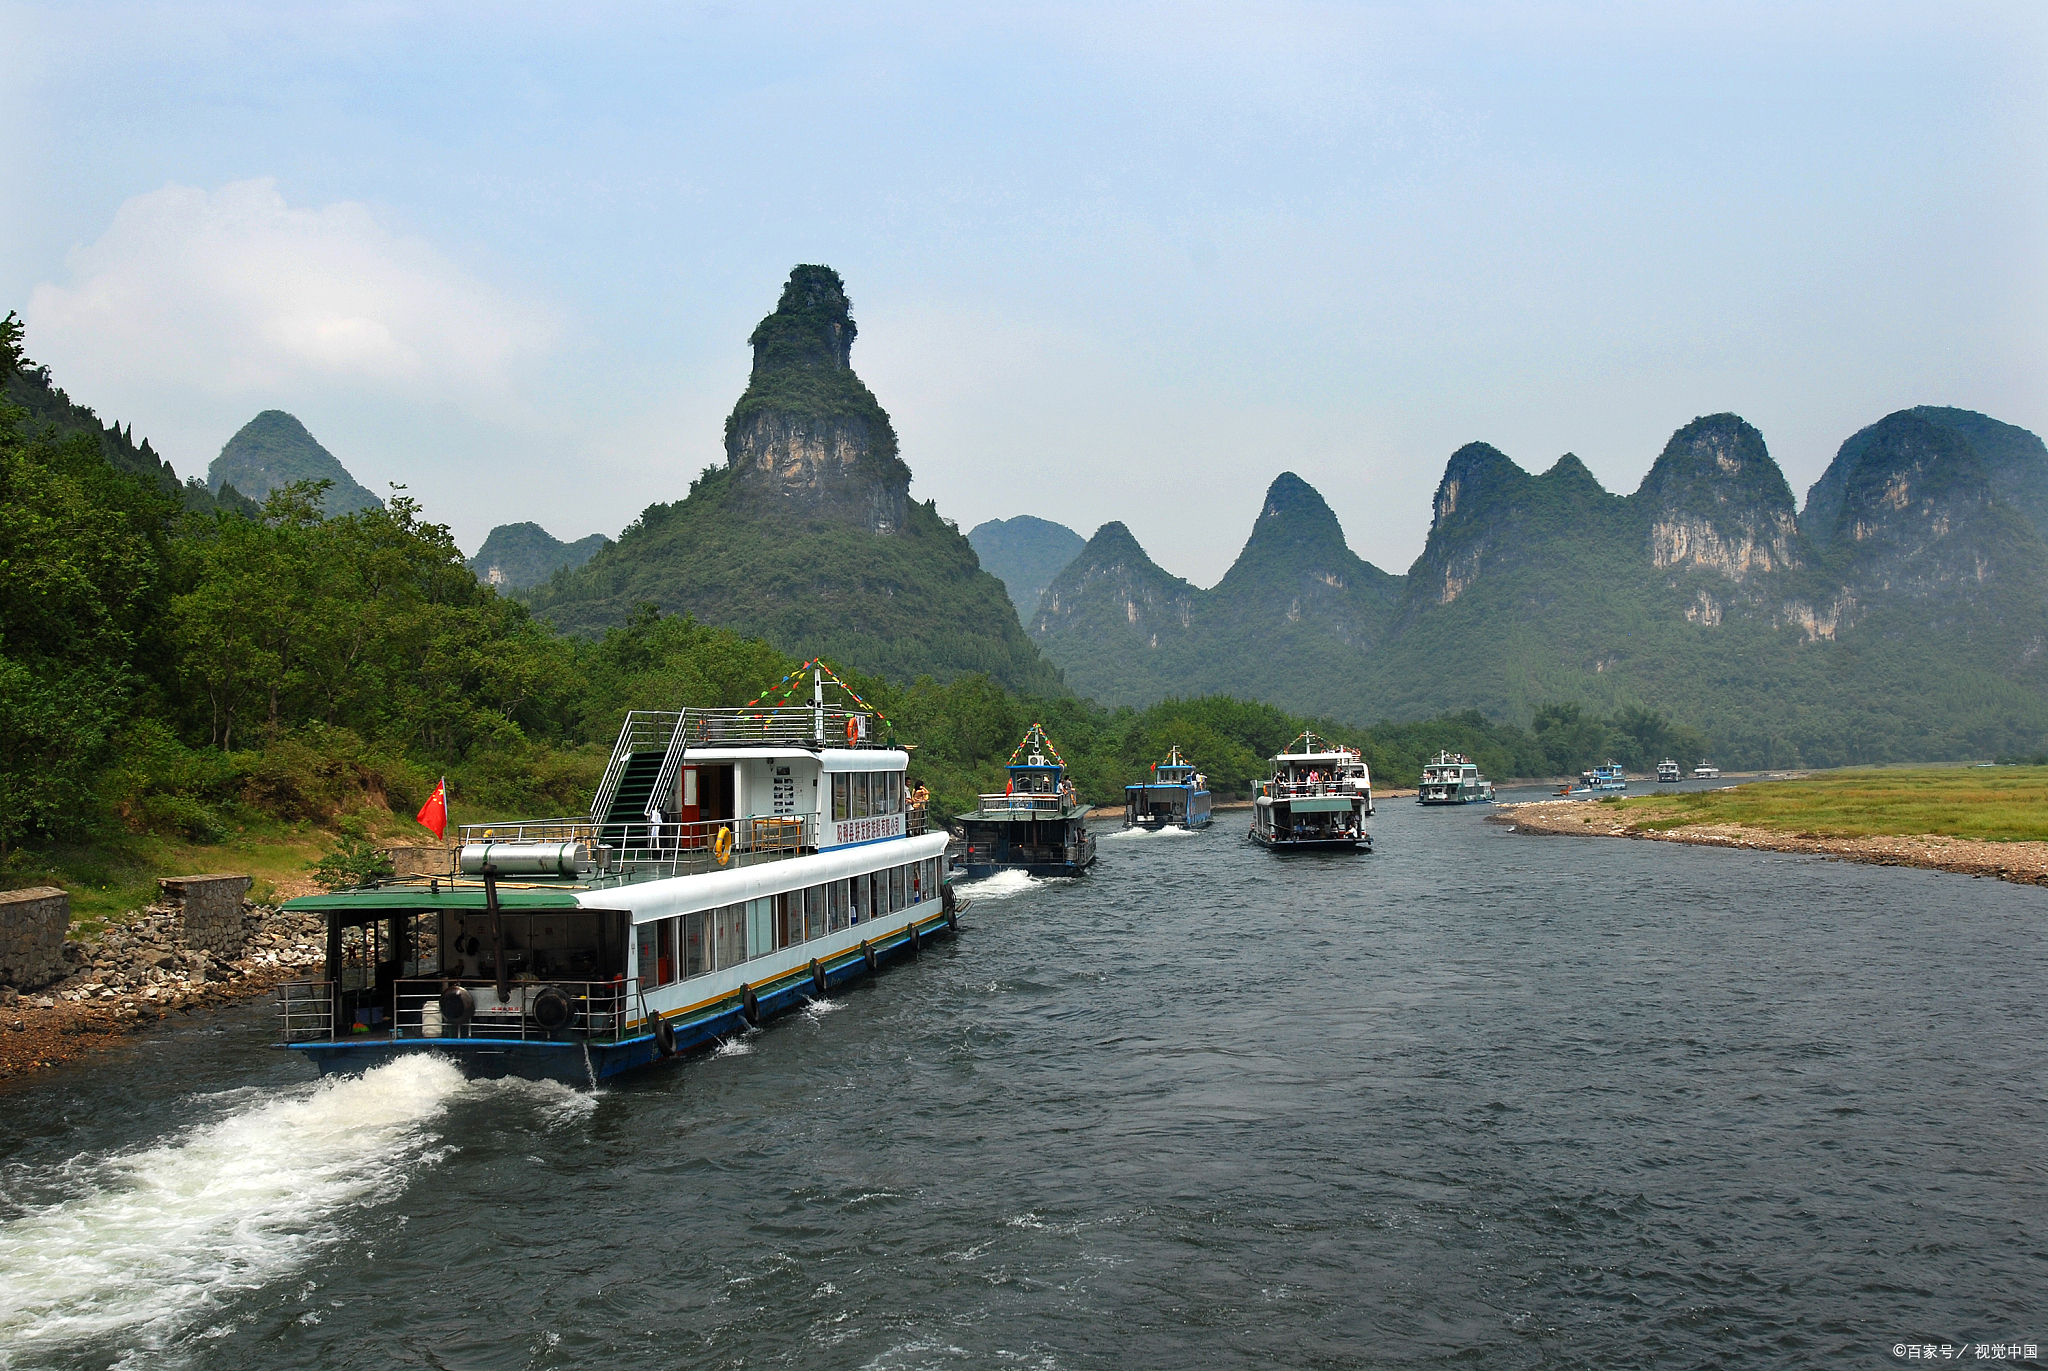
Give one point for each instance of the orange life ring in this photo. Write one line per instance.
(852, 730)
(721, 846)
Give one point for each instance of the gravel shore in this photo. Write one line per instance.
(2024, 863)
(137, 974)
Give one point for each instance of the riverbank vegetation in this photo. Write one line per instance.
(1995, 804)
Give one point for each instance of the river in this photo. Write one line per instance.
(1477, 1099)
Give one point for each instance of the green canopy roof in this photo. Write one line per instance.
(425, 897)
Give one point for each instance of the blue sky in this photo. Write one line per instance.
(1108, 262)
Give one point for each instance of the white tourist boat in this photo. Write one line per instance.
(1317, 800)
(1705, 771)
(1453, 779)
(735, 863)
(1667, 772)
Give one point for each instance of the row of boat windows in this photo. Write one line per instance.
(864, 794)
(689, 945)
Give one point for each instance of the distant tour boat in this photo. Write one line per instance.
(1037, 825)
(1705, 771)
(1316, 801)
(1601, 779)
(1453, 779)
(1177, 796)
(1667, 771)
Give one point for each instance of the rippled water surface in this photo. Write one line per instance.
(1477, 1099)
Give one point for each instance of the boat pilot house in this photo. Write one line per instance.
(734, 863)
(1038, 825)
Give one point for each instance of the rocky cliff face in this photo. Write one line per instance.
(1489, 516)
(807, 437)
(1916, 521)
(1714, 501)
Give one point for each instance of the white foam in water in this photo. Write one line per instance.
(1000, 886)
(1133, 834)
(163, 1233)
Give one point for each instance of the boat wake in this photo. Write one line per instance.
(1001, 886)
(156, 1238)
(1133, 834)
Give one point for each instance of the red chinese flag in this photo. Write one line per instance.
(434, 813)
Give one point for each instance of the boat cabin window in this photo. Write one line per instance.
(672, 950)
(697, 943)
(860, 796)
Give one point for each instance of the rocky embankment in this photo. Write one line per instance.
(139, 973)
(2024, 863)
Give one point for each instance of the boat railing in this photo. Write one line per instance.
(594, 1010)
(1328, 785)
(915, 822)
(597, 1010)
(305, 1011)
(999, 804)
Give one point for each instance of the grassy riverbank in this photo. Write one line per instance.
(1992, 804)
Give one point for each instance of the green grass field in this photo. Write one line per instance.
(1997, 804)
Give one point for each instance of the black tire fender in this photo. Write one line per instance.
(952, 913)
(457, 1004)
(750, 1008)
(867, 950)
(664, 1037)
(819, 985)
(916, 941)
(551, 1009)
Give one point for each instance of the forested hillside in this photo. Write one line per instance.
(515, 556)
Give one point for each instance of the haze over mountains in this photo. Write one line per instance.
(1024, 553)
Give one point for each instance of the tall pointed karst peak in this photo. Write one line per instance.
(1716, 462)
(1905, 439)
(1476, 472)
(1715, 500)
(272, 451)
(1907, 462)
(1296, 519)
(1113, 540)
(1571, 476)
(2015, 462)
(1296, 560)
(807, 439)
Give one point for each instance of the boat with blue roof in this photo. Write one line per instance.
(1176, 796)
(1601, 780)
(735, 864)
(1037, 825)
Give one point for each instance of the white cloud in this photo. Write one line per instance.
(235, 294)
